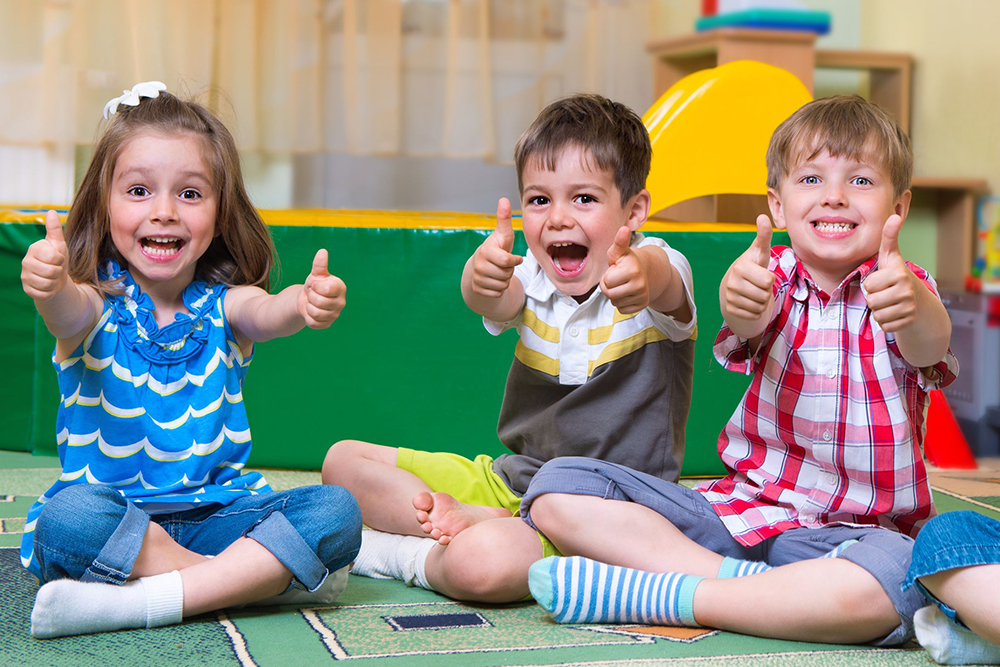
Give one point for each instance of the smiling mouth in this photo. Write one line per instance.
(161, 247)
(568, 258)
(841, 227)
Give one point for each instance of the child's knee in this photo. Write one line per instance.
(337, 511)
(550, 510)
(341, 458)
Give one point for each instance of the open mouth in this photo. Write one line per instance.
(833, 229)
(161, 247)
(568, 258)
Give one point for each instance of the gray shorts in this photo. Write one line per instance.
(882, 552)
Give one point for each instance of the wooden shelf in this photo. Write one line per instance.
(890, 74)
(954, 200)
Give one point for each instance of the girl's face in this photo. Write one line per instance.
(162, 206)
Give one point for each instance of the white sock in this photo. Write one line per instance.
(950, 644)
(68, 607)
(391, 556)
(328, 591)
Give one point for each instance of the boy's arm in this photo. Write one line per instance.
(256, 316)
(68, 309)
(639, 278)
(746, 294)
(488, 283)
(904, 306)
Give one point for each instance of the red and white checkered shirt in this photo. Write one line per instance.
(831, 428)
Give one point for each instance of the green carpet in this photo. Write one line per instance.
(381, 623)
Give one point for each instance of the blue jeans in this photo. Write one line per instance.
(883, 553)
(89, 532)
(951, 540)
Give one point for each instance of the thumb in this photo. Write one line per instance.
(505, 227)
(762, 243)
(320, 262)
(54, 231)
(890, 240)
(620, 247)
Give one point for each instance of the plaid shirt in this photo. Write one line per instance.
(831, 427)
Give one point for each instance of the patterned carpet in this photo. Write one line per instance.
(379, 623)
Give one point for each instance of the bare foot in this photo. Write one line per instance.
(442, 517)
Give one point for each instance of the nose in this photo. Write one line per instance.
(164, 208)
(835, 194)
(559, 218)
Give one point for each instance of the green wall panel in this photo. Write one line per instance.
(407, 364)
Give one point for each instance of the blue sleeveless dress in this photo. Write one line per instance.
(156, 413)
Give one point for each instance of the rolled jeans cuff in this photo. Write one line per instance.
(276, 534)
(114, 563)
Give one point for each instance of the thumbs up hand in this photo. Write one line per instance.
(626, 282)
(746, 290)
(891, 289)
(45, 267)
(323, 296)
(493, 263)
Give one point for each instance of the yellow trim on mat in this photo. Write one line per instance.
(623, 347)
(386, 220)
(536, 360)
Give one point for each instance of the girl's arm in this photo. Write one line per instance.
(68, 309)
(256, 316)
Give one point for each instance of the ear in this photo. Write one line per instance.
(638, 210)
(902, 206)
(777, 210)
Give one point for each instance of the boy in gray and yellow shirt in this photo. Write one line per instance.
(602, 368)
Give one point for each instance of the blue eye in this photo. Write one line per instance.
(862, 180)
(811, 180)
(138, 191)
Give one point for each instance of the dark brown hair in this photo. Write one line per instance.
(844, 126)
(242, 252)
(611, 134)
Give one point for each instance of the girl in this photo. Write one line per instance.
(956, 565)
(156, 295)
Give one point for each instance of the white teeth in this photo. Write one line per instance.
(562, 244)
(834, 226)
(163, 240)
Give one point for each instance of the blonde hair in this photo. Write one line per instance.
(611, 134)
(843, 126)
(242, 252)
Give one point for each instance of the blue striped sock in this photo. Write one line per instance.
(580, 590)
(734, 567)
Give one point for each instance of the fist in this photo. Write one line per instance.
(746, 288)
(891, 290)
(45, 267)
(493, 264)
(625, 282)
(323, 296)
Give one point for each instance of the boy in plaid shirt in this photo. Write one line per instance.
(809, 535)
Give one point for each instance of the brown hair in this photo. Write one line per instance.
(242, 252)
(612, 135)
(844, 126)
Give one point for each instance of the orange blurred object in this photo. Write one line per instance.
(944, 444)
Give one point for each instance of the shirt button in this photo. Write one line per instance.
(832, 373)
(807, 519)
(827, 436)
(832, 479)
(574, 331)
(830, 314)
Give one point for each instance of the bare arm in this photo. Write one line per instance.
(904, 306)
(257, 316)
(746, 294)
(489, 287)
(68, 309)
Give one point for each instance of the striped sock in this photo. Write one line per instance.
(579, 590)
(839, 549)
(734, 567)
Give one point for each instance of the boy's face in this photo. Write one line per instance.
(571, 216)
(834, 208)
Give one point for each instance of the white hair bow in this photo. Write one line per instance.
(131, 97)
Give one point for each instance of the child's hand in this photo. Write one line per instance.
(44, 269)
(493, 264)
(891, 289)
(323, 296)
(746, 290)
(625, 282)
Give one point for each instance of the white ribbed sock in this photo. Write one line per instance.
(391, 556)
(949, 643)
(68, 607)
(328, 591)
